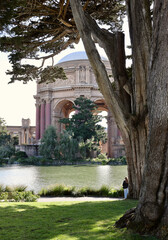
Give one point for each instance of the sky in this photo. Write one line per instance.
(16, 99)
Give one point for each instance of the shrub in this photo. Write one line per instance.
(102, 156)
(61, 190)
(57, 190)
(19, 188)
(4, 196)
(1, 188)
(104, 191)
(4, 161)
(27, 196)
(86, 191)
(20, 154)
(17, 194)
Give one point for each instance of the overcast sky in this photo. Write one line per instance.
(16, 99)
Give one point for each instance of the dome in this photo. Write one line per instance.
(76, 56)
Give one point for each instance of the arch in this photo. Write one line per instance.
(101, 105)
(60, 95)
(64, 107)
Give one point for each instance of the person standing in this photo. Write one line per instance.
(125, 187)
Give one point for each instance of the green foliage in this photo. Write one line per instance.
(48, 147)
(27, 196)
(57, 191)
(102, 156)
(20, 154)
(7, 143)
(68, 146)
(62, 190)
(16, 194)
(84, 123)
(118, 161)
(28, 28)
(81, 137)
(27, 73)
(84, 126)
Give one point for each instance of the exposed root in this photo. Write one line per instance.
(126, 219)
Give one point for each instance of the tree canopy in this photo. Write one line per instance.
(29, 28)
(85, 123)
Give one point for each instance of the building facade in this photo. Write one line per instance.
(25, 133)
(55, 100)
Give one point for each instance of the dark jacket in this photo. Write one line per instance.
(125, 184)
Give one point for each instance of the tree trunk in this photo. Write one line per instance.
(151, 214)
(135, 152)
(128, 110)
(152, 211)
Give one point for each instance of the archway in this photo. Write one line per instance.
(55, 100)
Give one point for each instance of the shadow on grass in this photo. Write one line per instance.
(64, 221)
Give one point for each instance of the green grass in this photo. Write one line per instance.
(65, 221)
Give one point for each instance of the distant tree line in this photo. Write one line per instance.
(7, 142)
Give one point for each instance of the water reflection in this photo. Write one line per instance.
(35, 177)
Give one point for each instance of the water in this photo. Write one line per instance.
(37, 177)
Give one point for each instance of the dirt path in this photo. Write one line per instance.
(78, 199)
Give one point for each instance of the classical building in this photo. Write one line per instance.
(25, 133)
(55, 100)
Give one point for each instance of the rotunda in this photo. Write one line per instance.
(55, 100)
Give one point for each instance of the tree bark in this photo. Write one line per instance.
(151, 214)
(124, 104)
(152, 210)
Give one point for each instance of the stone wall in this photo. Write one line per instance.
(30, 150)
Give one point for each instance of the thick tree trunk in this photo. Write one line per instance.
(135, 152)
(151, 214)
(119, 95)
(152, 211)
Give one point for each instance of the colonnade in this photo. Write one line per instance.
(43, 120)
(43, 117)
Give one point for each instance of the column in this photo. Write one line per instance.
(48, 113)
(20, 138)
(37, 122)
(77, 76)
(87, 75)
(42, 119)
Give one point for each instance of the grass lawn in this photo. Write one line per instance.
(65, 221)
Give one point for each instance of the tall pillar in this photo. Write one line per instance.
(37, 122)
(77, 76)
(27, 136)
(87, 74)
(48, 113)
(42, 119)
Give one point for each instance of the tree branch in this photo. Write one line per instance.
(113, 101)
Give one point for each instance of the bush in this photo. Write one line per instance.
(4, 161)
(20, 154)
(102, 156)
(86, 191)
(61, 190)
(118, 161)
(17, 194)
(57, 191)
(27, 196)
(3, 196)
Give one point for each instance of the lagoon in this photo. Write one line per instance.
(37, 177)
